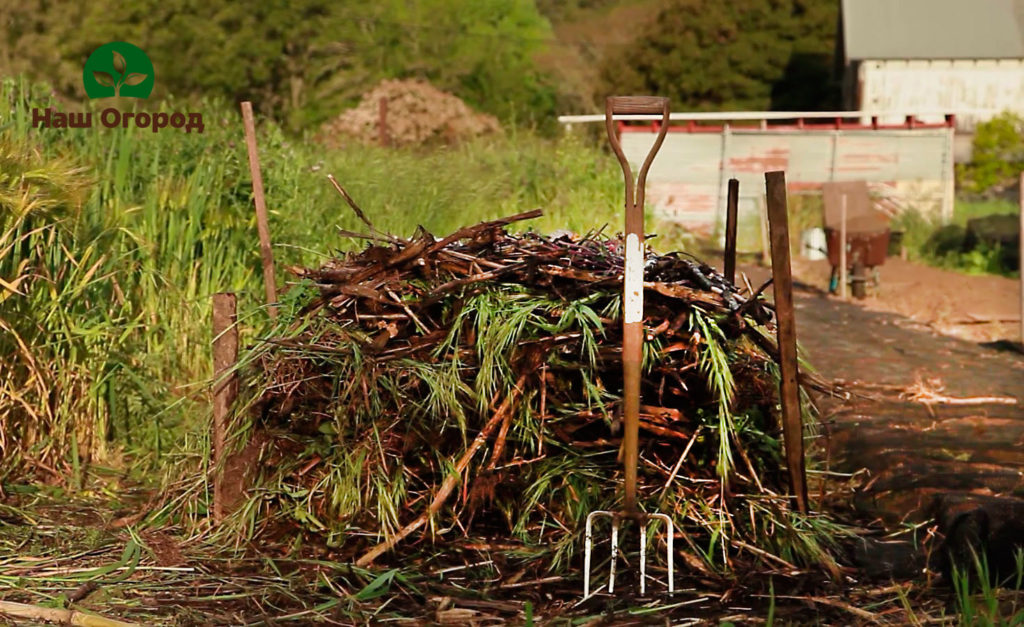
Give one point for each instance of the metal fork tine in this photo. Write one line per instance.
(670, 531)
(586, 555)
(643, 556)
(615, 553)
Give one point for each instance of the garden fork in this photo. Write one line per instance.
(632, 341)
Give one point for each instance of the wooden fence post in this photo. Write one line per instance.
(789, 391)
(382, 122)
(731, 208)
(225, 355)
(261, 208)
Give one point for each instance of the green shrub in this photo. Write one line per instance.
(998, 155)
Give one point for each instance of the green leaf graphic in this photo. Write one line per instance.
(103, 79)
(135, 79)
(119, 63)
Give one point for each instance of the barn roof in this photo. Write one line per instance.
(933, 29)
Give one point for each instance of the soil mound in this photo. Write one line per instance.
(417, 113)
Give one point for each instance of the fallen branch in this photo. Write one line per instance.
(448, 486)
(55, 615)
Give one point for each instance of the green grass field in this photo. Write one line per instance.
(964, 210)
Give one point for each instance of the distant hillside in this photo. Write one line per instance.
(585, 32)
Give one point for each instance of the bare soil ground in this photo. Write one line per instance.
(979, 308)
(932, 421)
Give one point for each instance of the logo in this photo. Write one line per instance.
(118, 69)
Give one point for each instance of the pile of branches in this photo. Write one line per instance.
(465, 392)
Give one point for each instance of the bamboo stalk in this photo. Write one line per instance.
(262, 225)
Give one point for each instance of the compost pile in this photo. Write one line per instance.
(417, 113)
(431, 399)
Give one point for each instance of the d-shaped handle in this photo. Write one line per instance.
(638, 105)
(635, 105)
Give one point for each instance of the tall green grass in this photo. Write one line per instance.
(117, 238)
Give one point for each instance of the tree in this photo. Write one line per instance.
(742, 54)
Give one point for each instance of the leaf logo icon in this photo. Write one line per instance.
(119, 62)
(103, 79)
(118, 67)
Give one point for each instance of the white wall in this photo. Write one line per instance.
(904, 169)
(954, 86)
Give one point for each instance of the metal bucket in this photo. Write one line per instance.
(813, 244)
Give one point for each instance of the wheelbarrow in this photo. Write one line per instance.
(848, 207)
(864, 253)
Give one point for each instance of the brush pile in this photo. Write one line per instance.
(447, 397)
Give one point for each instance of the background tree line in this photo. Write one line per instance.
(302, 61)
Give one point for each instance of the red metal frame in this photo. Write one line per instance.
(802, 124)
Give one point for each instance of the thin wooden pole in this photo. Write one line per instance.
(762, 216)
(842, 247)
(225, 355)
(382, 121)
(731, 207)
(1020, 204)
(792, 423)
(261, 208)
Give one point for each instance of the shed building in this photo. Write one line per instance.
(964, 57)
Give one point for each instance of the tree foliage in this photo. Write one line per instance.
(300, 60)
(742, 54)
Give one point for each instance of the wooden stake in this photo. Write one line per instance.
(261, 208)
(731, 207)
(1020, 204)
(789, 392)
(842, 247)
(225, 355)
(382, 121)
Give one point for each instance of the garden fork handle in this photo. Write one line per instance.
(633, 280)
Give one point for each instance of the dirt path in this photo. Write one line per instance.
(919, 459)
(981, 308)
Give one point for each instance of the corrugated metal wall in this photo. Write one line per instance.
(905, 169)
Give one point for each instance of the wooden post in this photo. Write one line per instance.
(731, 207)
(1020, 204)
(842, 247)
(225, 355)
(382, 122)
(789, 391)
(261, 208)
